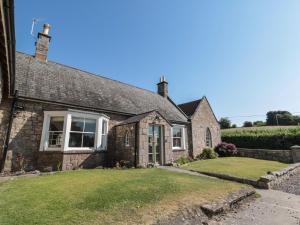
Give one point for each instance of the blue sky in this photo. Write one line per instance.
(243, 55)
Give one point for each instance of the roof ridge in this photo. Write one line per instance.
(95, 75)
(198, 100)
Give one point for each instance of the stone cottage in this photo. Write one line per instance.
(66, 118)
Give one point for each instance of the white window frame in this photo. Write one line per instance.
(127, 144)
(183, 146)
(67, 127)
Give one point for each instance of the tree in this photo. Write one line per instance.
(259, 123)
(248, 124)
(225, 123)
(233, 126)
(279, 118)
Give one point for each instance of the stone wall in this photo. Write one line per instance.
(27, 129)
(267, 154)
(5, 107)
(202, 119)
(54, 160)
(123, 151)
(168, 155)
(1, 83)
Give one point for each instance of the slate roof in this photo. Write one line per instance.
(189, 108)
(137, 118)
(50, 81)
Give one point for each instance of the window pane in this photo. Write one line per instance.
(75, 140)
(177, 142)
(177, 131)
(104, 126)
(88, 140)
(55, 139)
(90, 125)
(77, 124)
(103, 141)
(56, 123)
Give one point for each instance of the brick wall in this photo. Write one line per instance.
(201, 120)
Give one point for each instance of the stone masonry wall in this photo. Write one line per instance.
(5, 107)
(167, 154)
(123, 152)
(27, 129)
(1, 83)
(201, 120)
(267, 154)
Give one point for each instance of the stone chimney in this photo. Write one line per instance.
(42, 43)
(162, 87)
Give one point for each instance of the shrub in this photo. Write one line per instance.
(263, 137)
(183, 160)
(208, 153)
(226, 149)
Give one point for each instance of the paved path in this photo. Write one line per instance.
(273, 208)
(179, 170)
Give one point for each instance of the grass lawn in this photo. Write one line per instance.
(138, 196)
(236, 166)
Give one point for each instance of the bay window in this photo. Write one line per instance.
(178, 137)
(74, 130)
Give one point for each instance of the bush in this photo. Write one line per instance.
(263, 137)
(183, 160)
(226, 149)
(124, 164)
(208, 153)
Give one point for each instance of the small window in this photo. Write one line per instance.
(104, 134)
(127, 139)
(55, 133)
(178, 137)
(208, 140)
(82, 133)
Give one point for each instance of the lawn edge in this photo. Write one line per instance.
(207, 211)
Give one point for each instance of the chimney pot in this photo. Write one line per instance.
(42, 43)
(162, 87)
(46, 28)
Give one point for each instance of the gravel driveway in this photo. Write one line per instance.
(273, 208)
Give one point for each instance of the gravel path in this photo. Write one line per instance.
(273, 208)
(291, 185)
(179, 170)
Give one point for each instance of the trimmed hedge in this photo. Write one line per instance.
(263, 137)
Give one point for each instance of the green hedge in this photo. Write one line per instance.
(263, 137)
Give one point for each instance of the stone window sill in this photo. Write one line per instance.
(178, 150)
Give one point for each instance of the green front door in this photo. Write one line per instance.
(154, 142)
